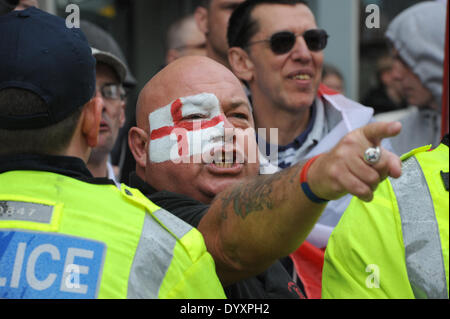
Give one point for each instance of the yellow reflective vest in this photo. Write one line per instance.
(397, 245)
(64, 238)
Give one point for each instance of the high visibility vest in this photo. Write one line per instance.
(64, 238)
(397, 245)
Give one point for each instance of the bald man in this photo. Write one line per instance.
(193, 77)
(253, 220)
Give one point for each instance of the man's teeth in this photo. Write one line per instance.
(302, 77)
(224, 165)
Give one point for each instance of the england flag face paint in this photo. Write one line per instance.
(187, 127)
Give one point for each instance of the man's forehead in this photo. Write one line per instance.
(294, 16)
(106, 72)
(227, 88)
(226, 3)
(226, 101)
(190, 76)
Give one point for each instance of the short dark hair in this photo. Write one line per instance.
(241, 28)
(205, 3)
(51, 140)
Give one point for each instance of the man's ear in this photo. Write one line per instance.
(137, 141)
(201, 17)
(92, 115)
(240, 63)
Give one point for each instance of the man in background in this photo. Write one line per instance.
(184, 38)
(110, 75)
(418, 68)
(387, 95)
(212, 18)
(121, 159)
(277, 48)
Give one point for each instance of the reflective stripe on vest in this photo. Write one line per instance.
(151, 261)
(423, 251)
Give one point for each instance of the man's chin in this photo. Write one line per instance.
(215, 186)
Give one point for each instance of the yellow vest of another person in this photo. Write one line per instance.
(397, 245)
(64, 238)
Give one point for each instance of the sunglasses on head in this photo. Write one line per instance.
(282, 42)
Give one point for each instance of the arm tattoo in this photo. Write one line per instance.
(263, 192)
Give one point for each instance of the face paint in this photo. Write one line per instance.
(187, 127)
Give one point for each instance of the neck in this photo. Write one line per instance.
(289, 125)
(213, 54)
(78, 147)
(98, 166)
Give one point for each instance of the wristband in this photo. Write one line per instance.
(306, 189)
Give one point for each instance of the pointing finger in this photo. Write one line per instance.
(375, 132)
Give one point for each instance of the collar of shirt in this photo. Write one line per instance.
(137, 182)
(298, 141)
(64, 165)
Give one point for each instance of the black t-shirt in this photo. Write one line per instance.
(274, 283)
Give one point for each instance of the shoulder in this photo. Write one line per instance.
(182, 206)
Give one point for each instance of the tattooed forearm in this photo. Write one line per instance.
(264, 192)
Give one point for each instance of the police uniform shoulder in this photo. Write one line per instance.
(418, 150)
(136, 196)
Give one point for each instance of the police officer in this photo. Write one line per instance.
(397, 245)
(63, 233)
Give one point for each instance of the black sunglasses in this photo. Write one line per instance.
(282, 42)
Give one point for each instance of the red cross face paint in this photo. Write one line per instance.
(185, 129)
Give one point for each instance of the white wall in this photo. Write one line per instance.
(341, 20)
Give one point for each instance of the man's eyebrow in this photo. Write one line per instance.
(229, 5)
(235, 103)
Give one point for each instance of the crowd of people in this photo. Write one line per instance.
(215, 205)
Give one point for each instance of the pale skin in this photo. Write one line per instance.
(256, 220)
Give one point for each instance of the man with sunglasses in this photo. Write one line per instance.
(276, 47)
(110, 74)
